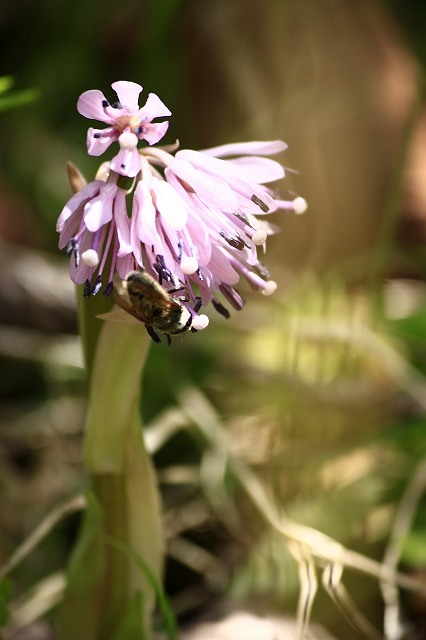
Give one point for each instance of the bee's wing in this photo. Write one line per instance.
(141, 284)
(120, 295)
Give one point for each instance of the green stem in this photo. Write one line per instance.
(104, 581)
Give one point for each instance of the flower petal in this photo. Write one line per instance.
(128, 95)
(221, 267)
(98, 140)
(86, 193)
(122, 224)
(154, 132)
(143, 214)
(125, 264)
(154, 108)
(126, 163)
(90, 106)
(259, 170)
(168, 204)
(267, 148)
(98, 212)
(213, 192)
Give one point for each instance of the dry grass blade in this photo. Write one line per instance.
(308, 587)
(331, 580)
(321, 546)
(60, 512)
(38, 601)
(402, 524)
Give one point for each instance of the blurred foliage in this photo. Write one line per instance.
(318, 390)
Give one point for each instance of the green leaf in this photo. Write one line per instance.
(163, 602)
(16, 99)
(131, 625)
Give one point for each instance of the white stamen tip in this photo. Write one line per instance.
(200, 322)
(188, 265)
(90, 258)
(127, 140)
(299, 205)
(270, 288)
(259, 237)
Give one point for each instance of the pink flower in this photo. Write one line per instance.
(93, 226)
(127, 124)
(199, 227)
(197, 218)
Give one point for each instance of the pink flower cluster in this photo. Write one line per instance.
(193, 220)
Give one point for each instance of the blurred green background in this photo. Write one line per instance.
(321, 388)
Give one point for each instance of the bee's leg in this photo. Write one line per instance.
(152, 333)
(169, 340)
(197, 305)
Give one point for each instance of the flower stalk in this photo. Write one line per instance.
(123, 509)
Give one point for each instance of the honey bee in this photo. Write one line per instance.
(147, 301)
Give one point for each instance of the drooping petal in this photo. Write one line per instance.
(266, 148)
(125, 264)
(90, 106)
(86, 193)
(98, 212)
(143, 214)
(220, 169)
(221, 267)
(168, 204)
(260, 170)
(122, 223)
(128, 95)
(210, 190)
(154, 108)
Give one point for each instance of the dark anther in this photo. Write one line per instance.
(161, 269)
(123, 166)
(232, 296)
(200, 275)
(87, 289)
(108, 289)
(221, 309)
(262, 271)
(97, 135)
(140, 130)
(235, 241)
(73, 247)
(242, 216)
(97, 286)
(260, 203)
(105, 104)
(116, 105)
(197, 305)
(180, 250)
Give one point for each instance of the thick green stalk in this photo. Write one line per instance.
(122, 521)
